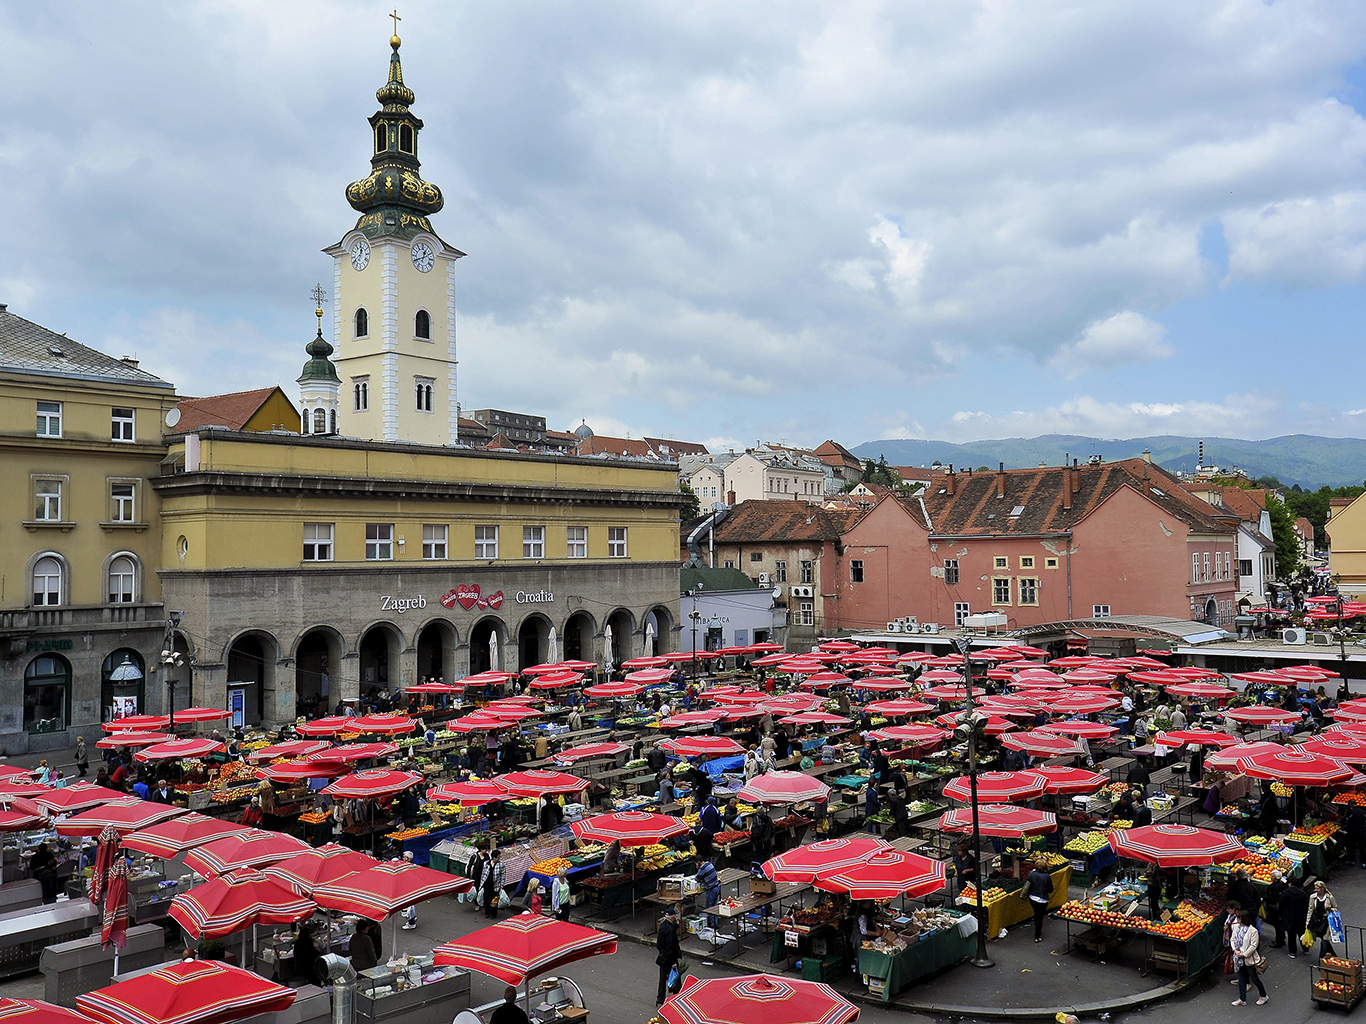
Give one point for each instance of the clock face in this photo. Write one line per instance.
(423, 257)
(360, 254)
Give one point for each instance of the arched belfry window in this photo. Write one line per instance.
(381, 137)
(422, 325)
(405, 138)
(320, 421)
(362, 323)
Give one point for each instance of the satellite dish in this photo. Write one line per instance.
(173, 417)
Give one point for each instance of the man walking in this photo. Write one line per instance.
(669, 952)
(495, 874)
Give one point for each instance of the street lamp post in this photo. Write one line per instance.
(695, 615)
(171, 659)
(969, 719)
(1342, 639)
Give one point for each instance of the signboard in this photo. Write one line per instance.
(237, 703)
(791, 939)
(122, 707)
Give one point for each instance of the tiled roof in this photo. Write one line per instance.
(760, 521)
(231, 410)
(601, 444)
(1034, 499)
(1305, 527)
(1247, 504)
(676, 448)
(27, 347)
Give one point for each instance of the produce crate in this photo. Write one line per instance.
(827, 969)
(1335, 987)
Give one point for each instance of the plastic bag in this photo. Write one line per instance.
(504, 900)
(1335, 931)
(1307, 939)
(673, 978)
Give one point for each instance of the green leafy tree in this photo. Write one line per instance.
(1283, 533)
(692, 507)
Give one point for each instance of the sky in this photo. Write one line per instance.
(729, 222)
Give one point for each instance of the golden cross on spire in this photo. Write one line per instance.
(397, 19)
(319, 297)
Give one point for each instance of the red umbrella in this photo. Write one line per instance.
(652, 661)
(175, 750)
(883, 875)
(1194, 738)
(105, 851)
(1041, 744)
(434, 688)
(249, 848)
(472, 793)
(825, 680)
(76, 797)
(479, 723)
(382, 725)
(703, 746)
(997, 787)
(328, 726)
(996, 725)
(942, 675)
(1342, 746)
(791, 703)
(629, 828)
(351, 752)
(649, 676)
(236, 900)
(297, 771)
(114, 916)
(1070, 780)
(1081, 728)
(693, 718)
(951, 692)
(306, 871)
(556, 680)
(779, 787)
(1082, 703)
(898, 707)
(35, 1011)
(373, 783)
(123, 816)
(1226, 760)
(290, 748)
(757, 999)
(802, 863)
(524, 946)
(1176, 846)
(1261, 715)
(385, 888)
(814, 718)
(20, 821)
(539, 781)
(486, 678)
(137, 723)
(590, 752)
(1200, 690)
(886, 685)
(915, 732)
(1295, 767)
(200, 715)
(615, 691)
(167, 839)
(725, 695)
(1000, 820)
(132, 739)
(189, 992)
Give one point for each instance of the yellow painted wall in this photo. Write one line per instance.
(1347, 546)
(276, 412)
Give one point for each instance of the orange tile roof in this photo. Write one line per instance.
(231, 410)
(759, 521)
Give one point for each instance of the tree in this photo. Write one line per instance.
(1283, 533)
(692, 508)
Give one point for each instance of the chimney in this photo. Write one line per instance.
(1066, 486)
(1074, 478)
(1147, 455)
(1202, 453)
(950, 483)
(129, 361)
(1001, 481)
(730, 498)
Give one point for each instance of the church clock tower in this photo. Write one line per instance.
(394, 283)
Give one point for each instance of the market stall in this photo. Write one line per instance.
(1007, 907)
(926, 943)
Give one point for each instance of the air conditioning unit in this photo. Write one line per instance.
(910, 626)
(894, 627)
(764, 579)
(1321, 640)
(803, 591)
(929, 627)
(1294, 636)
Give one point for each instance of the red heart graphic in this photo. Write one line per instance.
(467, 594)
(448, 599)
(495, 601)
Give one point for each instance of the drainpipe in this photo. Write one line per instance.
(1068, 539)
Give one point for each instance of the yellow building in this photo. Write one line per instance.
(1346, 528)
(81, 619)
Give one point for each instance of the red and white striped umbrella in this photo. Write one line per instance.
(942, 675)
(352, 752)
(304, 768)
(1071, 703)
(885, 875)
(513, 712)
(691, 719)
(200, 715)
(479, 723)
(615, 691)
(997, 787)
(76, 797)
(20, 820)
(996, 725)
(1199, 690)
(756, 999)
(802, 863)
(1261, 715)
(1294, 767)
(899, 707)
(539, 781)
(524, 946)
(382, 725)
(1002, 821)
(329, 726)
(703, 746)
(1041, 744)
(792, 703)
(385, 888)
(556, 680)
(1063, 780)
(1081, 729)
(825, 680)
(914, 734)
(176, 750)
(471, 793)
(249, 848)
(650, 661)
(132, 739)
(36, 1011)
(306, 871)
(889, 685)
(951, 692)
(189, 992)
(167, 839)
(1172, 846)
(629, 828)
(779, 787)
(490, 677)
(123, 816)
(1226, 760)
(812, 718)
(590, 752)
(1343, 746)
(434, 689)
(137, 723)
(291, 748)
(1194, 738)
(235, 901)
(649, 676)
(373, 784)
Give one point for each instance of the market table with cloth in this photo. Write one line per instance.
(1014, 907)
(1316, 863)
(932, 953)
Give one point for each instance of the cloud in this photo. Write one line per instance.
(1246, 415)
(1126, 337)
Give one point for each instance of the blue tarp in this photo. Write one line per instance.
(718, 766)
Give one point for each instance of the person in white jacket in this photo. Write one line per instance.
(1244, 940)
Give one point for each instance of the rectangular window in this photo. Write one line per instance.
(1204, 575)
(951, 571)
(379, 542)
(1001, 562)
(1026, 561)
(434, 540)
(49, 419)
(806, 613)
(756, 556)
(533, 541)
(1100, 611)
(1050, 563)
(121, 581)
(1000, 590)
(961, 610)
(1244, 567)
(808, 572)
(121, 503)
(616, 542)
(317, 542)
(1029, 590)
(1228, 564)
(576, 538)
(47, 503)
(121, 422)
(856, 570)
(780, 571)
(486, 542)
(1195, 567)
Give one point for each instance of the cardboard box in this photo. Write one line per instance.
(762, 886)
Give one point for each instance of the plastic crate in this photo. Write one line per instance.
(831, 968)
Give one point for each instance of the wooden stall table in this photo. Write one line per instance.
(687, 902)
(898, 970)
(742, 906)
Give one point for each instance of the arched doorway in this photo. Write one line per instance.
(317, 659)
(578, 637)
(659, 631)
(251, 677)
(533, 637)
(436, 650)
(47, 694)
(1211, 611)
(622, 647)
(380, 647)
(123, 685)
(486, 645)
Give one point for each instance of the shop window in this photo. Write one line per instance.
(577, 539)
(47, 694)
(123, 579)
(122, 685)
(49, 575)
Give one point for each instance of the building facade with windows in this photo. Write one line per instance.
(81, 614)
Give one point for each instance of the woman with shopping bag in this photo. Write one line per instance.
(1245, 943)
(1321, 905)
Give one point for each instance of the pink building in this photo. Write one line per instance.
(1039, 545)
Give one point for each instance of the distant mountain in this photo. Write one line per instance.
(1303, 459)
